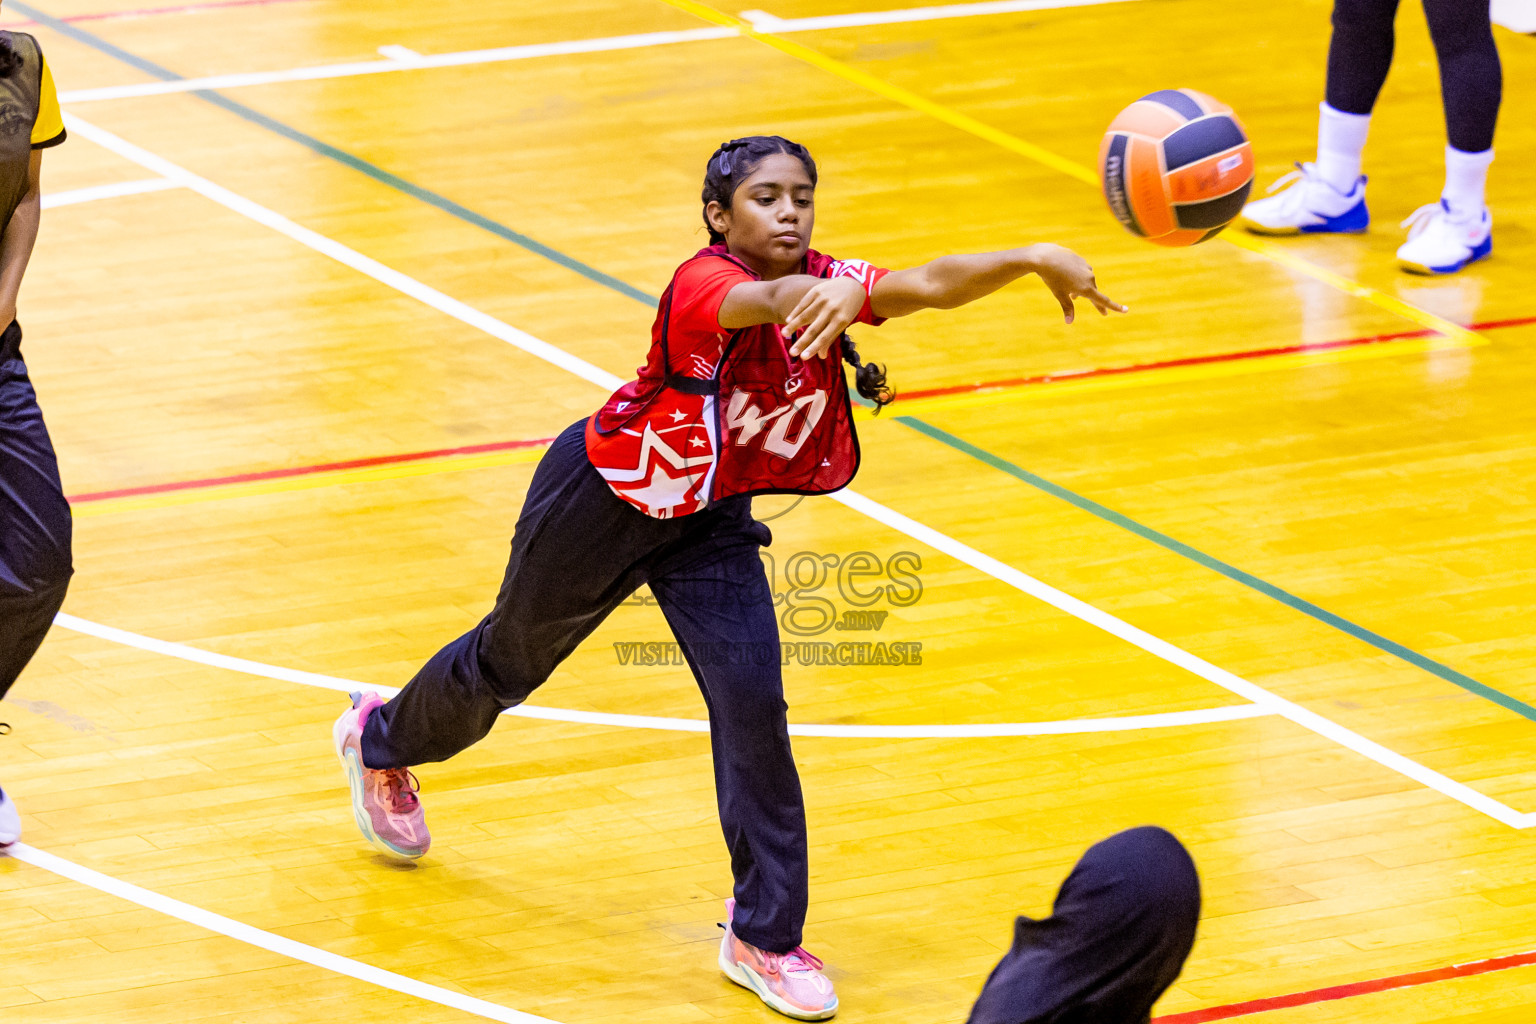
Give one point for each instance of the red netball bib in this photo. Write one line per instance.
(717, 413)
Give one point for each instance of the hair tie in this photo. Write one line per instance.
(725, 154)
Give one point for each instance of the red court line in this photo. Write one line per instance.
(324, 467)
(1224, 357)
(146, 12)
(497, 446)
(1347, 991)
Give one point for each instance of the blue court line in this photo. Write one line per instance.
(1285, 597)
(1088, 505)
(357, 163)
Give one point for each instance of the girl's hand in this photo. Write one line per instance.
(822, 316)
(1069, 277)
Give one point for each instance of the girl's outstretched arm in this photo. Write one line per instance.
(951, 281)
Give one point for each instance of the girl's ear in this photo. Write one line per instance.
(719, 218)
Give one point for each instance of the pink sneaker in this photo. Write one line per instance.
(383, 801)
(791, 983)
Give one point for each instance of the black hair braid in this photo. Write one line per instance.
(734, 163)
(10, 60)
(868, 378)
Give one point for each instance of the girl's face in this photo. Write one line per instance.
(769, 223)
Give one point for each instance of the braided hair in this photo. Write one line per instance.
(729, 166)
(734, 162)
(868, 378)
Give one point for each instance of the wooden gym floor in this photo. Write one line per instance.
(299, 340)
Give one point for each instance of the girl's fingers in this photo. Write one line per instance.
(1105, 303)
(796, 321)
(827, 332)
(821, 337)
(801, 311)
(1068, 310)
(811, 335)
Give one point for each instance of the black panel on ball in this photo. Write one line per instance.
(1113, 176)
(1213, 213)
(1177, 101)
(1200, 139)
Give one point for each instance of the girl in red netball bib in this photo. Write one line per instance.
(742, 393)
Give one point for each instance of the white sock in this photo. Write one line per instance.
(1340, 141)
(1465, 176)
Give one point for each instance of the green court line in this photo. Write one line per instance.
(1088, 505)
(341, 156)
(1247, 579)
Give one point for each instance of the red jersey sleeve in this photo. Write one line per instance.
(699, 290)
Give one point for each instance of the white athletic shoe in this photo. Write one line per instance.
(1440, 242)
(10, 821)
(1310, 206)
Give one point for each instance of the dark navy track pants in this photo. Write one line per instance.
(578, 551)
(34, 518)
(1471, 77)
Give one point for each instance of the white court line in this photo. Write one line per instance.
(268, 941)
(122, 188)
(403, 54)
(500, 54)
(460, 311)
(1199, 666)
(762, 21)
(1062, 727)
(401, 59)
(942, 542)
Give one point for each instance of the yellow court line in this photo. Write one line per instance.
(285, 485)
(1170, 375)
(1014, 144)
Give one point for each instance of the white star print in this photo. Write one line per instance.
(662, 493)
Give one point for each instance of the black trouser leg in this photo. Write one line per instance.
(24, 621)
(1360, 53)
(574, 559)
(35, 525)
(577, 553)
(1471, 77)
(720, 607)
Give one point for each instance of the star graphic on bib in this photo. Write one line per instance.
(678, 415)
(698, 442)
(662, 492)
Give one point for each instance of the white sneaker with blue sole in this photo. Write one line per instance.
(1441, 242)
(1310, 206)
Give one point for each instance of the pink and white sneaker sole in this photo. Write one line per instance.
(349, 753)
(749, 979)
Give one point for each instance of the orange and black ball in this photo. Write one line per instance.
(1176, 167)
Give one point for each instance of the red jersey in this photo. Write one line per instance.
(716, 413)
